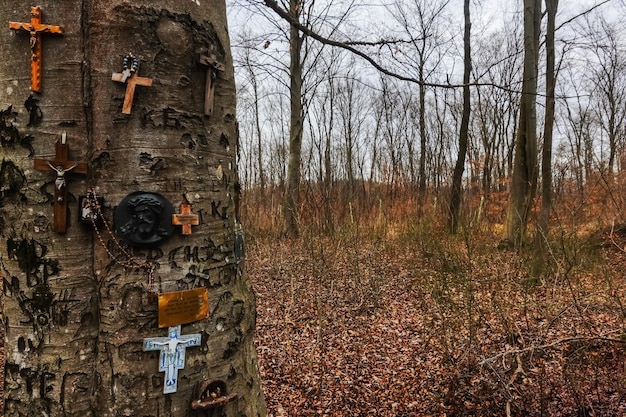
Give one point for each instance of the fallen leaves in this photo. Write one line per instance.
(360, 328)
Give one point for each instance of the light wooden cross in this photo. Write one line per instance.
(60, 165)
(185, 218)
(35, 28)
(213, 66)
(172, 354)
(131, 83)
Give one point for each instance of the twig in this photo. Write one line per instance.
(603, 338)
(621, 249)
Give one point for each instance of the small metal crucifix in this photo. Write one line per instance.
(60, 165)
(35, 28)
(172, 354)
(131, 77)
(213, 66)
(186, 218)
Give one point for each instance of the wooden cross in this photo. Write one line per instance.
(213, 65)
(35, 28)
(131, 82)
(185, 218)
(172, 354)
(60, 165)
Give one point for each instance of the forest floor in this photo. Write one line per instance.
(415, 324)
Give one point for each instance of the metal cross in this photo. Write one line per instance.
(213, 65)
(172, 354)
(131, 82)
(60, 165)
(35, 28)
(185, 218)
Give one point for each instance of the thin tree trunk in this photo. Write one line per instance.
(455, 198)
(295, 130)
(524, 180)
(257, 126)
(421, 192)
(329, 223)
(546, 162)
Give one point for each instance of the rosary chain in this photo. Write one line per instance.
(131, 261)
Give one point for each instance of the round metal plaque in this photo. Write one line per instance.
(144, 219)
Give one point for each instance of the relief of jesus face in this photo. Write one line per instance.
(144, 219)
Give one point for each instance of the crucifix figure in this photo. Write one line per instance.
(60, 165)
(35, 28)
(213, 66)
(185, 218)
(132, 79)
(172, 354)
(60, 181)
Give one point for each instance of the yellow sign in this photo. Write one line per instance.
(183, 307)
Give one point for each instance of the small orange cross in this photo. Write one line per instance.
(35, 28)
(185, 218)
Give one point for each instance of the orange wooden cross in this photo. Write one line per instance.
(185, 218)
(35, 28)
(213, 65)
(61, 165)
(131, 82)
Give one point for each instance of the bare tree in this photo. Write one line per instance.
(607, 74)
(546, 162)
(580, 130)
(524, 180)
(256, 100)
(296, 40)
(424, 22)
(455, 197)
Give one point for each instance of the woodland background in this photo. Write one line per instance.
(374, 307)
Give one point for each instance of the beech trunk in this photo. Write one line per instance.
(76, 309)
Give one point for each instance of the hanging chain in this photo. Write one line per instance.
(130, 261)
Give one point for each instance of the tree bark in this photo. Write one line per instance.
(455, 198)
(546, 160)
(524, 180)
(296, 124)
(76, 309)
(421, 189)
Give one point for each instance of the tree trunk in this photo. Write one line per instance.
(421, 189)
(455, 198)
(329, 223)
(76, 309)
(296, 125)
(524, 180)
(546, 160)
(257, 125)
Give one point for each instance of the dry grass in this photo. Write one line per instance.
(395, 317)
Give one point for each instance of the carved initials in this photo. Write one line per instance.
(215, 212)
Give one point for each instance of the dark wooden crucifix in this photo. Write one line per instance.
(131, 82)
(35, 28)
(213, 66)
(61, 165)
(185, 218)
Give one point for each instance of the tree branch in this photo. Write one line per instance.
(307, 31)
(582, 14)
(601, 338)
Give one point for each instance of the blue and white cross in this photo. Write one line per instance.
(172, 354)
